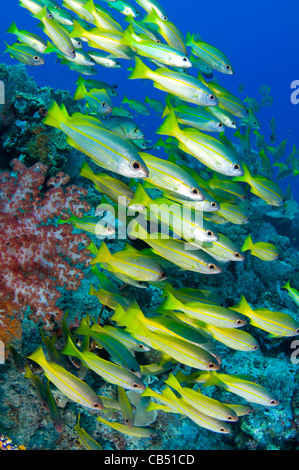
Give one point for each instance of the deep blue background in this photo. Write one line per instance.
(260, 38)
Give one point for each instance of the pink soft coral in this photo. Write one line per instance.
(35, 255)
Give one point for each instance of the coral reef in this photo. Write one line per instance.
(37, 256)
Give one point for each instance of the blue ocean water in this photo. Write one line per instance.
(261, 41)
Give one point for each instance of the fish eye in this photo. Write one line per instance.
(164, 18)
(162, 274)
(57, 7)
(243, 197)
(195, 191)
(237, 255)
(211, 267)
(135, 385)
(50, 16)
(229, 418)
(233, 123)
(73, 51)
(255, 347)
(273, 402)
(184, 59)
(236, 166)
(209, 233)
(228, 67)
(96, 405)
(136, 130)
(135, 165)
(140, 346)
(36, 58)
(158, 41)
(211, 365)
(239, 322)
(103, 104)
(90, 60)
(283, 200)
(213, 204)
(220, 125)
(79, 43)
(222, 429)
(212, 97)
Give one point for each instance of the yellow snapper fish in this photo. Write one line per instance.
(203, 420)
(234, 338)
(115, 189)
(183, 222)
(207, 205)
(278, 324)
(131, 263)
(110, 299)
(74, 388)
(233, 213)
(81, 58)
(148, 5)
(223, 250)
(179, 349)
(173, 327)
(163, 53)
(109, 371)
(90, 224)
(294, 294)
(78, 7)
(101, 58)
(262, 250)
(189, 294)
(25, 37)
(124, 127)
(177, 251)
(209, 54)
(87, 442)
(126, 407)
(171, 178)
(56, 32)
(238, 385)
(206, 405)
(211, 314)
(136, 106)
(198, 118)
(179, 84)
(116, 349)
(156, 105)
(107, 149)
(260, 186)
(227, 100)
(101, 18)
(208, 150)
(125, 429)
(98, 101)
(25, 54)
(105, 40)
(169, 32)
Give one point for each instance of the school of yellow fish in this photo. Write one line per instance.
(196, 110)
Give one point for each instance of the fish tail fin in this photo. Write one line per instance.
(287, 286)
(246, 178)
(247, 244)
(147, 100)
(171, 303)
(13, 28)
(119, 315)
(189, 39)
(78, 30)
(140, 70)
(169, 126)
(84, 328)
(168, 288)
(80, 92)
(128, 36)
(41, 14)
(70, 348)
(90, 6)
(38, 356)
(152, 17)
(242, 307)
(103, 255)
(135, 229)
(168, 108)
(173, 382)
(86, 171)
(212, 379)
(55, 115)
(141, 197)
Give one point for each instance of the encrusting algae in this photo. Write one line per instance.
(161, 330)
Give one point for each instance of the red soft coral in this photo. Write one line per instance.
(35, 255)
